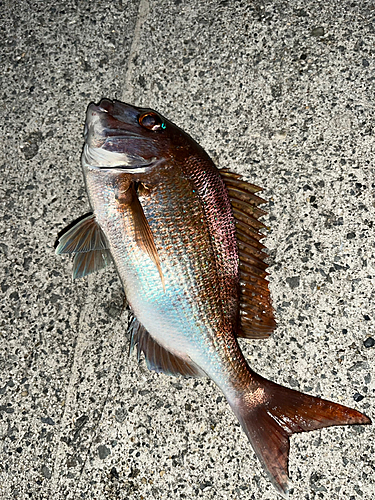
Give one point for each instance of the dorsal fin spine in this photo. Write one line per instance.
(256, 313)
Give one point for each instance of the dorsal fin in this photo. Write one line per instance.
(85, 239)
(256, 312)
(159, 359)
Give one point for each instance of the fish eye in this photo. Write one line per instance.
(151, 121)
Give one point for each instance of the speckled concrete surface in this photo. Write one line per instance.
(281, 91)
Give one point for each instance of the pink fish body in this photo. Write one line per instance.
(185, 240)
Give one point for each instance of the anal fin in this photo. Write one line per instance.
(157, 357)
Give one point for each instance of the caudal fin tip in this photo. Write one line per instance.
(283, 489)
(278, 474)
(357, 418)
(366, 420)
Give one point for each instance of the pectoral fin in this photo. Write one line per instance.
(143, 234)
(86, 240)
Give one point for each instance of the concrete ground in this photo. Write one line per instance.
(282, 91)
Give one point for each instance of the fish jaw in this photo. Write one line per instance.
(118, 135)
(113, 138)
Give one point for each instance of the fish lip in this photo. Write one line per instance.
(141, 167)
(137, 167)
(103, 119)
(112, 140)
(108, 107)
(104, 106)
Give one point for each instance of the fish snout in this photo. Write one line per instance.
(105, 105)
(115, 138)
(109, 119)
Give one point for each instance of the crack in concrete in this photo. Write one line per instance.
(143, 11)
(70, 397)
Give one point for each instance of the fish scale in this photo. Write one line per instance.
(185, 239)
(198, 303)
(146, 285)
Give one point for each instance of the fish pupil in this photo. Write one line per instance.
(151, 121)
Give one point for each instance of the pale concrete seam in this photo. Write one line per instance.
(143, 12)
(82, 344)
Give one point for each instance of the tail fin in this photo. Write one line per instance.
(272, 413)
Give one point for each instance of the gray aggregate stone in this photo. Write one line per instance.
(103, 451)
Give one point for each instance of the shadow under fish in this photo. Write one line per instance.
(185, 238)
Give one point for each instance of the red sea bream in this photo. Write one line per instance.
(185, 239)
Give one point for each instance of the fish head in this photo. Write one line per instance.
(129, 139)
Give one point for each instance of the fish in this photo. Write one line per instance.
(186, 240)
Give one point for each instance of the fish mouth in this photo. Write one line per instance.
(100, 159)
(110, 120)
(114, 140)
